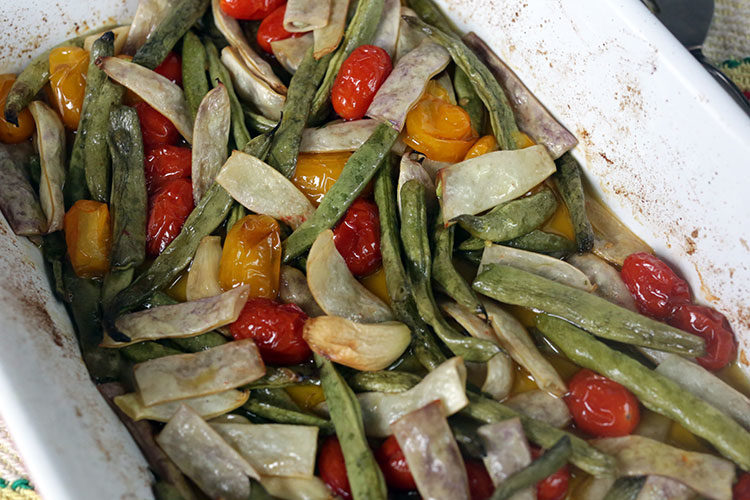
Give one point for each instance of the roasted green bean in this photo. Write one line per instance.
(445, 274)
(219, 73)
(276, 378)
(431, 13)
(486, 86)
(357, 173)
(568, 182)
(145, 351)
(265, 403)
(468, 99)
(594, 314)
(258, 122)
(546, 243)
(626, 488)
(653, 390)
(418, 264)
(383, 381)
(165, 36)
(194, 65)
(365, 478)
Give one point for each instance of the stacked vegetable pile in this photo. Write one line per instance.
(318, 249)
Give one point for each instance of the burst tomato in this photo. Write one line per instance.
(272, 29)
(715, 330)
(600, 406)
(156, 129)
(654, 286)
(332, 468)
(359, 78)
(276, 329)
(480, 483)
(251, 10)
(171, 68)
(68, 67)
(393, 464)
(554, 486)
(741, 490)
(168, 209)
(164, 163)
(357, 238)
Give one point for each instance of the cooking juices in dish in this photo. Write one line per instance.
(336, 248)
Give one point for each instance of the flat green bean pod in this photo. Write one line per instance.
(568, 182)
(419, 263)
(445, 274)
(653, 390)
(219, 73)
(357, 173)
(194, 65)
(485, 84)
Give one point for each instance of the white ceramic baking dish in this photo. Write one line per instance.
(665, 147)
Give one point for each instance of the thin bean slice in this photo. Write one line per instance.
(539, 469)
(568, 182)
(50, 139)
(169, 31)
(469, 100)
(417, 248)
(597, 315)
(485, 84)
(210, 139)
(365, 478)
(194, 65)
(357, 173)
(18, 201)
(653, 390)
(220, 74)
(445, 274)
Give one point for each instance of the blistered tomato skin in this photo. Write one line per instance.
(332, 468)
(251, 10)
(276, 329)
(252, 256)
(359, 78)
(271, 29)
(741, 490)
(440, 130)
(393, 464)
(9, 133)
(68, 67)
(171, 68)
(713, 327)
(87, 236)
(554, 486)
(156, 129)
(600, 406)
(317, 172)
(654, 286)
(164, 163)
(480, 483)
(168, 208)
(357, 238)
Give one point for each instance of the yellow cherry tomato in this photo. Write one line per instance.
(375, 282)
(523, 140)
(438, 129)
(316, 173)
(560, 223)
(178, 289)
(252, 256)
(484, 144)
(87, 234)
(9, 133)
(307, 396)
(68, 67)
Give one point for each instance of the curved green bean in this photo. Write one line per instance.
(383, 381)
(169, 31)
(568, 182)
(542, 467)
(194, 66)
(431, 13)
(219, 73)
(653, 390)
(267, 404)
(468, 99)
(512, 219)
(357, 173)
(596, 315)
(445, 274)
(258, 122)
(418, 265)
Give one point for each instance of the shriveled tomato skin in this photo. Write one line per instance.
(276, 329)
(721, 348)
(554, 486)
(480, 483)
(168, 208)
(357, 238)
(171, 68)
(358, 79)
(164, 163)
(393, 464)
(600, 406)
(654, 285)
(156, 129)
(332, 468)
(250, 10)
(741, 490)
(272, 29)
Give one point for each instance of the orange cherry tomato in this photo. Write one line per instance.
(554, 486)
(68, 67)
(316, 173)
(480, 483)
(156, 129)
(9, 133)
(484, 144)
(252, 256)
(171, 68)
(168, 209)
(251, 10)
(272, 29)
(164, 163)
(393, 464)
(600, 406)
(332, 468)
(359, 78)
(87, 235)
(440, 130)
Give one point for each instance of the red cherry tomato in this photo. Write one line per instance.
(357, 237)
(156, 129)
(276, 329)
(600, 406)
(393, 464)
(164, 163)
(359, 78)
(741, 490)
(272, 29)
(249, 9)
(480, 484)
(654, 286)
(332, 468)
(715, 330)
(169, 207)
(554, 486)
(171, 68)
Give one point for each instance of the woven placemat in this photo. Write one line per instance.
(14, 484)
